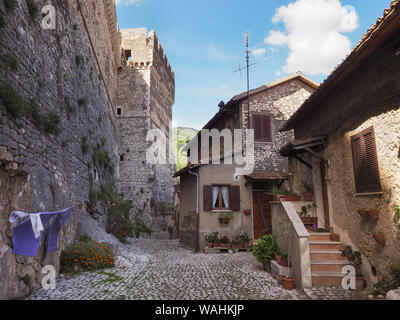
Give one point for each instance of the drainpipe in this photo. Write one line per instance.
(197, 248)
(197, 190)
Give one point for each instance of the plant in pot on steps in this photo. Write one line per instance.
(282, 258)
(287, 280)
(224, 242)
(211, 239)
(236, 243)
(276, 194)
(355, 260)
(308, 194)
(265, 250)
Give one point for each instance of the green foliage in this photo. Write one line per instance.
(51, 123)
(396, 217)
(85, 146)
(28, 282)
(354, 258)
(10, 4)
(139, 228)
(85, 238)
(10, 61)
(13, 102)
(275, 192)
(212, 237)
(385, 285)
(86, 255)
(265, 248)
(181, 136)
(83, 103)
(244, 237)
(308, 187)
(75, 27)
(32, 9)
(70, 109)
(78, 61)
(2, 21)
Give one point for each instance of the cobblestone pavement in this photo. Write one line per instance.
(169, 272)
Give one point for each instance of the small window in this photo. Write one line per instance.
(365, 162)
(262, 128)
(121, 158)
(221, 197)
(119, 111)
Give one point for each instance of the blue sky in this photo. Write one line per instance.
(203, 42)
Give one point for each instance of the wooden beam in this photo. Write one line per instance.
(303, 162)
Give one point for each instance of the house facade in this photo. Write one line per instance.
(210, 191)
(348, 132)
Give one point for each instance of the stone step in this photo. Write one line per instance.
(327, 279)
(326, 255)
(320, 236)
(328, 265)
(325, 245)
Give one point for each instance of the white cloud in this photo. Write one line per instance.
(214, 52)
(314, 34)
(258, 52)
(127, 2)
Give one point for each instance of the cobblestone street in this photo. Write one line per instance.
(169, 272)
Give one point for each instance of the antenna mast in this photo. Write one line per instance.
(248, 78)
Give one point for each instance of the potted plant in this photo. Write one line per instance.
(236, 243)
(308, 194)
(290, 197)
(355, 260)
(282, 258)
(266, 231)
(287, 282)
(225, 217)
(211, 239)
(373, 214)
(231, 250)
(379, 237)
(265, 250)
(276, 194)
(245, 240)
(224, 242)
(304, 218)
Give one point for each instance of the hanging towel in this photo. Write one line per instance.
(24, 240)
(55, 228)
(36, 222)
(15, 215)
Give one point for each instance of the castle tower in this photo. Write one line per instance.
(145, 96)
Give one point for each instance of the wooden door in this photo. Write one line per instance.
(261, 213)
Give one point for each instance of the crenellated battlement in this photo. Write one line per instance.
(145, 50)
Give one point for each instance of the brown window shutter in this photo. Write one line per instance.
(257, 126)
(365, 162)
(267, 134)
(371, 162)
(235, 198)
(207, 198)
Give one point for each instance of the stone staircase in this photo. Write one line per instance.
(326, 260)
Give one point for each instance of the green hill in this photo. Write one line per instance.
(181, 136)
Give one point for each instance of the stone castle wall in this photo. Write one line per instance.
(146, 93)
(69, 72)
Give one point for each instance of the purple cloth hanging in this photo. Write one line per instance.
(23, 237)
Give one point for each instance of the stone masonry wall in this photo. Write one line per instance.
(280, 103)
(146, 93)
(69, 72)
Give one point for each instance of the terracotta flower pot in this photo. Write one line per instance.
(306, 220)
(216, 245)
(308, 196)
(380, 238)
(226, 221)
(363, 213)
(277, 198)
(277, 258)
(209, 244)
(284, 262)
(314, 220)
(373, 214)
(245, 245)
(292, 198)
(359, 284)
(288, 283)
(224, 245)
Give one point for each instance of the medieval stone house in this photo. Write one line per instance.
(207, 190)
(348, 132)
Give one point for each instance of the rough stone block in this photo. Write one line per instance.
(277, 271)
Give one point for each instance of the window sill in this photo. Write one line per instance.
(368, 194)
(221, 211)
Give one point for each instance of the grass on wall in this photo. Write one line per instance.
(2, 21)
(32, 9)
(10, 4)
(10, 61)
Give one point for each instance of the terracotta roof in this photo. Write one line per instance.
(229, 107)
(361, 51)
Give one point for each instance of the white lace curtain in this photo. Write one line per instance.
(215, 196)
(225, 196)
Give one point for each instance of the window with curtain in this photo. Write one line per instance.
(221, 197)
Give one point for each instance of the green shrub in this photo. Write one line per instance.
(32, 9)
(13, 102)
(85, 146)
(2, 21)
(265, 248)
(78, 61)
(10, 4)
(10, 61)
(51, 123)
(83, 103)
(140, 227)
(86, 255)
(84, 238)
